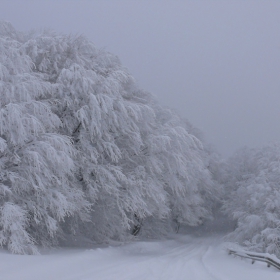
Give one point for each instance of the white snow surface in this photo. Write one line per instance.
(182, 257)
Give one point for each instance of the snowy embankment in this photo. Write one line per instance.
(183, 257)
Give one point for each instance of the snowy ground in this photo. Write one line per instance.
(183, 257)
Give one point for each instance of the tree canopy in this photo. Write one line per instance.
(253, 200)
(85, 151)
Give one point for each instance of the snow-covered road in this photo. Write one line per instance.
(184, 257)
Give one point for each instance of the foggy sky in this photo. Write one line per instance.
(217, 63)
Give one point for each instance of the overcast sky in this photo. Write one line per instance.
(217, 63)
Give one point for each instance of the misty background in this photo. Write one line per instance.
(217, 63)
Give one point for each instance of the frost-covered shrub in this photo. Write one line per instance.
(254, 198)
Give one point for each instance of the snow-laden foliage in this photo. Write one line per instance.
(85, 151)
(253, 199)
(37, 184)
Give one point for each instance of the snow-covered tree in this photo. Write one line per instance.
(85, 151)
(178, 162)
(37, 185)
(254, 198)
(98, 110)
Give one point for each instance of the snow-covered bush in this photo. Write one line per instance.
(85, 151)
(253, 198)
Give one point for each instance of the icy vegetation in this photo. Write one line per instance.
(86, 153)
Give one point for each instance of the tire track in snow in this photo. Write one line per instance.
(182, 262)
(208, 267)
